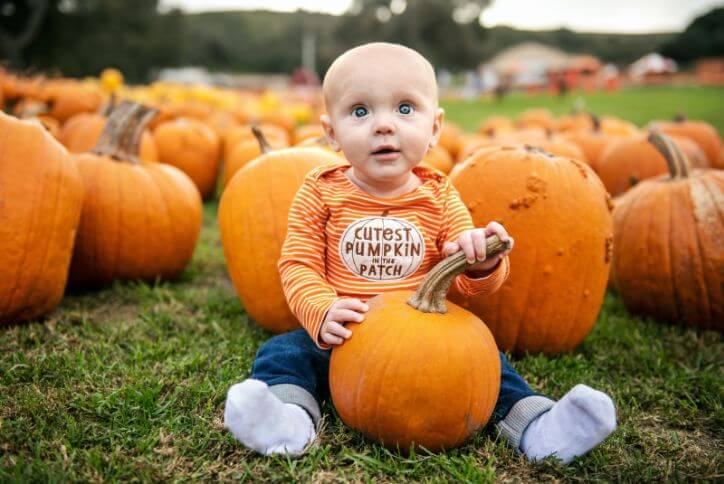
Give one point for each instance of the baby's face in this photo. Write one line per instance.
(382, 111)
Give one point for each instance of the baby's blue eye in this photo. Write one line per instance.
(359, 112)
(405, 108)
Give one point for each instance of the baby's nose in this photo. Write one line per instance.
(384, 125)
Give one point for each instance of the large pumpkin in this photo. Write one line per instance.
(253, 214)
(416, 372)
(669, 243)
(559, 214)
(41, 196)
(193, 147)
(140, 220)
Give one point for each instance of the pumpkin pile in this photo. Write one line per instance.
(435, 383)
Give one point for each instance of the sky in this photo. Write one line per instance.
(629, 16)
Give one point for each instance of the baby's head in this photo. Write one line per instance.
(382, 109)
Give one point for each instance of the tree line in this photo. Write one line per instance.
(81, 37)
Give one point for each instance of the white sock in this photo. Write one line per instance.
(262, 422)
(578, 422)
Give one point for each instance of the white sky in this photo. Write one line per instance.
(634, 16)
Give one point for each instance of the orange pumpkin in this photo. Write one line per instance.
(253, 221)
(496, 125)
(247, 150)
(82, 131)
(273, 133)
(591, 142)
(41, 196)
(558, 211)
(193, 147)
(536, 118)
(450, 137)
(702, 133)
(438, 158)
(140, 220)
(669, 243)
(221, 122)
(627, 161)
(70, 98)
(308, 131)
(433, 386)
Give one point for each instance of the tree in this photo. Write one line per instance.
(704, 37)
(19, 24)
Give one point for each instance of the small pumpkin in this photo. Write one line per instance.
(669, 243)
(450, 134)
(41, 195)
(253, 214)
(307, 131)
(273, 133)
(82, 131)
(496, 125)
(140, 220)
(435, 384)
(193, 147)
(69, 98)
(630, 160)
(536, 118)
(701, 132)
(439, 159)
(247, 150)
(592, 142)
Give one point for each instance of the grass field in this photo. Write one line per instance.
(128, 383)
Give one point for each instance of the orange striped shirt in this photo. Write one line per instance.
(343, 242)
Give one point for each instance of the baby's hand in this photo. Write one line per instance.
(472, 242)
(343, 310)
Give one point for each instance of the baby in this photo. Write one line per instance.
(380, 223)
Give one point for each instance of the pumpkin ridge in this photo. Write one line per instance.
(358, 404)
(59, 183)
(164, 202)
(31, 223)
(678, 310)
(382, 379)
(700, 252)
(583, 275)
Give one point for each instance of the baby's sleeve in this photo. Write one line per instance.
(302, 266)
(457, 219)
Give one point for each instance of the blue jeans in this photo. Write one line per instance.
(293, 359)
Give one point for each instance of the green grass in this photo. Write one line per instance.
(128, 383)
(639, 105)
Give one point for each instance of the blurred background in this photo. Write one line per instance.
(480, 46)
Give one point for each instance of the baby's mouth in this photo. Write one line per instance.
(385, 151)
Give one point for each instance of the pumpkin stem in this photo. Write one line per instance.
(596, 122)
(121, 137)
(110, 105)
(675, 159)
(264, 145)
(680, 117)
(430, 295)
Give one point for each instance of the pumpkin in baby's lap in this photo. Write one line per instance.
(416, 372)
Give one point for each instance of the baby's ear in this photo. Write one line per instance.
(329, 132)
(437, 126)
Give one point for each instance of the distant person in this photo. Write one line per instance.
(383, 115)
